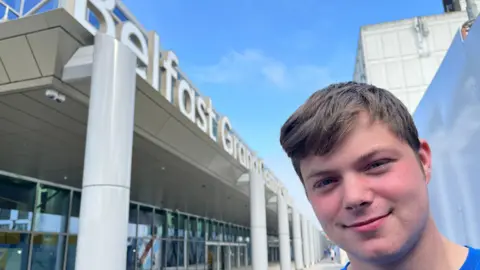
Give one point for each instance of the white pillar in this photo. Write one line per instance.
(283, 232)
(258, 222)
(297, 239)
(322, 245)
(343, 257)
(237, 250)
(229, 257)
(312, 239)
(306, 253)
(314, 243)
(102, 237)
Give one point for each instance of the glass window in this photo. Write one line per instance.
(75, 213)
(181, 225)
(157, 254)
(17, 200)
(192, 225)
(192, 252)
(145, 221)
(171, 255)
(145, 240)
(214, 231)
(234, 233)
(228, 233)
(172, 224)
(181, 252)
(47, 252)
(71, 252)
(221, 229)
(52, 209)
(201, 253)
(159, 220)
(132, 220)
(132, 234)
(144, 253)
(14, 254)
(14, 4)
(209, 230)
(200, 229)
(131, 251)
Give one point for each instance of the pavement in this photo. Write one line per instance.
(326, 264)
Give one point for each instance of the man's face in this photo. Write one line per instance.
(370, 194)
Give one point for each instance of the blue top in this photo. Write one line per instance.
(471, 263)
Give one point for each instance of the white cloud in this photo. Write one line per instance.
(255, 66)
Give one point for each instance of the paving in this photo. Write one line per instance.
(324, 265)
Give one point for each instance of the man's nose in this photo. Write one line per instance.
(357, 193)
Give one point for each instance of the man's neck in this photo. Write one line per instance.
(432, 251)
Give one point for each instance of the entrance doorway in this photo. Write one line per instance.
(225, 256)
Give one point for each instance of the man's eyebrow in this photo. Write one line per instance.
(358, 162)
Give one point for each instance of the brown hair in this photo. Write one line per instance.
(328, 116)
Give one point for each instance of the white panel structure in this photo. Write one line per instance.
(403, 56)
(448, 118)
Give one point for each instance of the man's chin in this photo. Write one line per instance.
(378, 252)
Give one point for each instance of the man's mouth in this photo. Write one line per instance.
(369, 224)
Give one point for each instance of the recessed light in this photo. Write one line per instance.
(55, 95)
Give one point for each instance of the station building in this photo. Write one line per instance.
(110, 158)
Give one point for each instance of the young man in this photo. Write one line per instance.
(365, 171)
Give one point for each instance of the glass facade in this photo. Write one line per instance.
(39, 228)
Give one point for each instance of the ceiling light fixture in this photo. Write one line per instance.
(55, 95)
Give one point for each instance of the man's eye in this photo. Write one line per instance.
(378, 165)
(324, 182)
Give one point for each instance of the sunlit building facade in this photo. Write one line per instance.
(403, 56)
(110, 158)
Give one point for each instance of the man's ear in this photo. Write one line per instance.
(425, 158)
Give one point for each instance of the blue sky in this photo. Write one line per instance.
(259, 60)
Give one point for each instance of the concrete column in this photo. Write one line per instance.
(103, 226)
(237, 250)
(322, 245)
(343, 257)
(306, 253)
(229, 258)
(312, 239)
(297, 239)
(283, 233)
(319, 244)
(316, 245)
(258, 222)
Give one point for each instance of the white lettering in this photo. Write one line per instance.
(146, 48)
(198, 109)
(102, 11)
(224, 130)
(131, 36)
(185, 99)
(212, 119)
(242, 155)
(202, 114)
(169, 64)
(153, 69)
